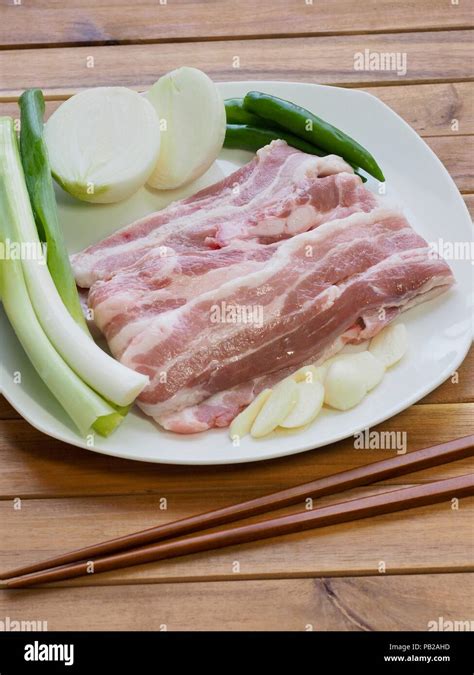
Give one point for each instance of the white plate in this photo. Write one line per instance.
(439, 331)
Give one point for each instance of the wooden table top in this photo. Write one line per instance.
(391, 572)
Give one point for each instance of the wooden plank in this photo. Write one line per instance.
(427, 539)
(456, 153)
(34, 465)
(390, 603)
(432, 56)
(431, 109)
(50, 22)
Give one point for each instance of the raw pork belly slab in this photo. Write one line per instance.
(225, 293)
(315, 288)
(125, 304)
(281, 192)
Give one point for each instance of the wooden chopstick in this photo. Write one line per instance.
(342, 512)
(363, 475)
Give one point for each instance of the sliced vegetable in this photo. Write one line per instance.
(83, 405)
(103, 143)
(34, 157)
(106, 424)
(344, 387)
(276, 408)
(390, 344)
(309, 403)
(192, 119)
(312, 129)
(104, 374)
(242, 424)
(236, 113)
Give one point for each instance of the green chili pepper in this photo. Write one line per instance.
(236, 114)
(247, 137)
(312, 129)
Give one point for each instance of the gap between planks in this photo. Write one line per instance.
(53, 94)
(37, 466)
(117, 42)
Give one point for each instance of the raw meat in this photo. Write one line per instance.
(315, 287)
(125, 304)
(281, 192)
(225, 293)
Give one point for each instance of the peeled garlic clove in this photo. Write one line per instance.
(242, 424)
(276, 408)
(308, 374)
(371, 369)
(308, 405)
(390, 344)
(355, 348)
(344, 387)
(323, 368)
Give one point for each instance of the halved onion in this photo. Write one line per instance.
(193, 123)
(103, 143)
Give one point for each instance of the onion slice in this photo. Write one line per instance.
(192, 122)
(103, 143)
